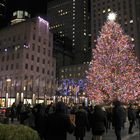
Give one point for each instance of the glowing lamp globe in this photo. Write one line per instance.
(112, 16)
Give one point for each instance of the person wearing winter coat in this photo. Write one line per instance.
(82, 124)
(131, 118)
(58, 123)
(98, 123)
(118, 118)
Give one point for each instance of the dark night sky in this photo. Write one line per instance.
(34, 7)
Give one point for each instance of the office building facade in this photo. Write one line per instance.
(69, 18)
(27, 65)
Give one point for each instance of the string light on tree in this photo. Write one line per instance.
(114, 70)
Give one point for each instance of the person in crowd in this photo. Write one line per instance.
(81, 122)
(18, 110)
(30, 120)
(109, 117)
(23, 113)
(124, 116)
(13, 112)
(138, 117)
(98, 122)
(117, 118)
(131, 118)
(39, 121)
(58, 123)
(90, 112)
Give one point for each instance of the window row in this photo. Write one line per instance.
(39, 49)
(10, 57)
(38, 69)
(13, 39)
(39, 39)
(37, 59)
(10, 67)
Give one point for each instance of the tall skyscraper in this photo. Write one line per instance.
(2, 12)
(127, 15)
(69, 18)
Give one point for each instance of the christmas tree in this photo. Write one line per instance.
(114, 71)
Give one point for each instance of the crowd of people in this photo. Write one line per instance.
(53, 121)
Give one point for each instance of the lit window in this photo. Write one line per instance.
(26, 13)
(125, 22)
(131, 21)
(79, 68)
(108, 10)
(73, 44)
(70, 75)
(73, 17)
(73, 32)
(132, 39)
(73, 28)
(103, 11)
(14, 14)
(85, 34)
(20, 14)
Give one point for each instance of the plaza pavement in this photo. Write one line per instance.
(111, 136)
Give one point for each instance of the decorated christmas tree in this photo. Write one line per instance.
(114, 71)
